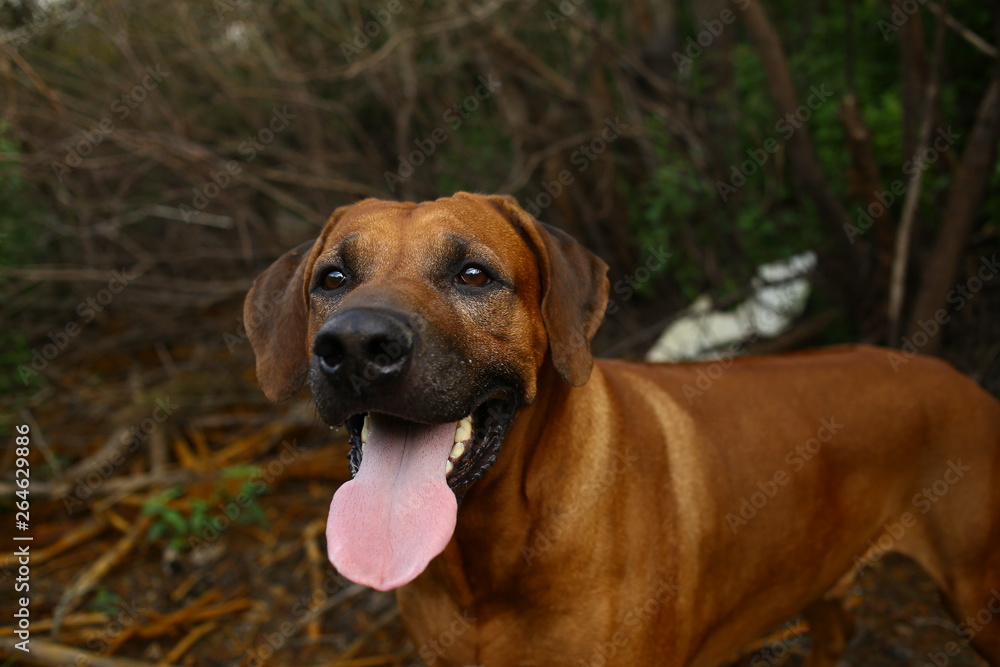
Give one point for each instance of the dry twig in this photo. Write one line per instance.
(86, 580)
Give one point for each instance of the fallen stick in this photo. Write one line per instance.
(50, 653)
(85, 619)
(81, 533)
(369, 661)
(359, 643)
(88, 578)
(317, 567)
(178, 651)
(161, 624)
(196, 611)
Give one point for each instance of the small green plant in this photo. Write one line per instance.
(170, 522)
(183, 518)
(106, 601)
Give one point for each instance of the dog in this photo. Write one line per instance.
(534, 506)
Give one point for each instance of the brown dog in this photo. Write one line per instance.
(610, 512)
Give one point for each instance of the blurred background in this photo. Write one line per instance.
(156, 156)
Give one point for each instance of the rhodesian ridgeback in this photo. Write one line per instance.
(536, 507)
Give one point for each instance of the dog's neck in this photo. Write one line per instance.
(524, 483)
(537, 512)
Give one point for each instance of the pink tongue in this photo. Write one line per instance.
(398, 512)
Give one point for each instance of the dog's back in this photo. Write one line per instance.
(813, 465)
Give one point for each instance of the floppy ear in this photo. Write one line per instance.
(574, 290)
(274, 314)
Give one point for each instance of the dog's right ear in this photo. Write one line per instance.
(274, 314)
(574, 290)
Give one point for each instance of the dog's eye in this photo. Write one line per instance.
(474, 276)
(334, 279)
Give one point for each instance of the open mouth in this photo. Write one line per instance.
(476, 444)
(400, 508)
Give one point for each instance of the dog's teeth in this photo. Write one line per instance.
(448, 467)
(366, 429)
(464, 430)
(457, 450)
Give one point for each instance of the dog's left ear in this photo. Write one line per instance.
(574, 290)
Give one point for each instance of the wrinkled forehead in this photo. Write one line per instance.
(385, 233)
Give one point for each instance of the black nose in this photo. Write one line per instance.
(363, 346)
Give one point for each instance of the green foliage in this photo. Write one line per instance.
(182, 518)
(471, 138)
(674, 196)
(15, 350)
(765, 217)
(762, 214)
(18, 247)
(106, 601)
(20, 207)
(170, 522)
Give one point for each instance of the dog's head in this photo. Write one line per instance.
(422, 328)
